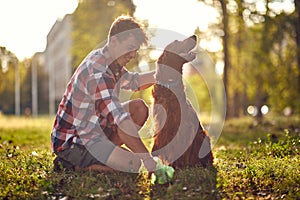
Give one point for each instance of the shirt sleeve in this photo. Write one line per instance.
(107, 103)
(129, 80)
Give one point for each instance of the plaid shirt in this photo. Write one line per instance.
(90, 105)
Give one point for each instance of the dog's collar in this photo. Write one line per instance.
(169, 84)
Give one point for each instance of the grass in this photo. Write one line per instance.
(252, 161)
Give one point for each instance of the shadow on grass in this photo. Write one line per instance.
(192, 183)
(88, 185)
(189, 183)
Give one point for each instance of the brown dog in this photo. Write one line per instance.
(179, 138)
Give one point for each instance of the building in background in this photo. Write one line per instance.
(58, 60)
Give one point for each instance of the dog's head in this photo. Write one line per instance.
(178, 53)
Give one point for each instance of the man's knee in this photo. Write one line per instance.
(139, 111)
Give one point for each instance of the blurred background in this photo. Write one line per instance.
(253, 46)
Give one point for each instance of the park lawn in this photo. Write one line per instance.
(252, 161)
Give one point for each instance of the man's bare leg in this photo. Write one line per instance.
(120, 158)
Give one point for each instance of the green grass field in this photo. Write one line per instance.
(252, 161)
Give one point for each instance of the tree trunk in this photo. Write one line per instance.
(259, 100)
(245, 100)
(297, 27)
(226, 53)
(236, 104)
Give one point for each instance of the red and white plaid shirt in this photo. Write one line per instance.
(90, 106)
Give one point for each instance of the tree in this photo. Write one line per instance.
(275, 72)
(7, 77)
(297, 29)
(257, 41)
(225, 39)
(8, 62)
(91, 23)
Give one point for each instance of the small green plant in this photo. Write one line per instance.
(22, 173)
(267, 168)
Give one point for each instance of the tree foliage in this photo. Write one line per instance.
(261, 63)
(91, 23)
(8, 63)
(261, 52)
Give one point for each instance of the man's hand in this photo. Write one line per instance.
(150, 164)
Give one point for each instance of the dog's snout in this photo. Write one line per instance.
(194, 37)
(192, 40)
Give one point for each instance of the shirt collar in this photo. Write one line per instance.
(112, 67)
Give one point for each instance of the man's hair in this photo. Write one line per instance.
(125, 26)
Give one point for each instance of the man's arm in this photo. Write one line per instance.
(128, 133)
(146, 80)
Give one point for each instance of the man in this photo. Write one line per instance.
(91, 123)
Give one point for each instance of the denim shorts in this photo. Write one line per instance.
(95, 152)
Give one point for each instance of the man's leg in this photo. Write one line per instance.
(138, 110)
(120, 158)
(114, 157)
(139, 113)
(109, 152)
